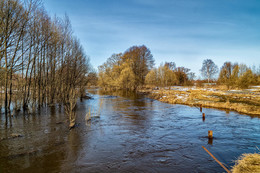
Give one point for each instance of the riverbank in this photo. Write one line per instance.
(247, 163)
(242, 101)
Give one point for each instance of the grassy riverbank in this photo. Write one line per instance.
(247, 163)
(242, 101)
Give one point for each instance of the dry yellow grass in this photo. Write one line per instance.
(241, 102)
(247, 163)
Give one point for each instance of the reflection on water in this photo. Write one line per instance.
(210, 141)
(132, 134)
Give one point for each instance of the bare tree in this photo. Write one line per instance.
(14, 24)
(209, 69)
(40, 60)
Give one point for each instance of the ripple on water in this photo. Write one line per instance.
(133, 134)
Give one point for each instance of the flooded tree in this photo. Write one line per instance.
(14, 20)
(127, 79)
(41, 62)
(92, 78)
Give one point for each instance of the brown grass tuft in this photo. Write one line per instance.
(247, 163)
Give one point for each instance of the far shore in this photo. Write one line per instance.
(242, 101)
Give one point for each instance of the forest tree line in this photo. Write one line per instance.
(41, 62)
(135, 69)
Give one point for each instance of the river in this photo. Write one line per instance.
(130, 133)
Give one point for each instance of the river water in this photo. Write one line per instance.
(129, 133)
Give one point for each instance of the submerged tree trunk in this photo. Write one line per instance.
(70, 107)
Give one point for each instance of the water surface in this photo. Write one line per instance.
(131, 134)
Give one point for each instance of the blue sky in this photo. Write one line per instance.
(183, 31)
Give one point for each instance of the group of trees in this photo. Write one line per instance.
(40, 60)
(231, 74)
(134, 68)
(168, 74)
(127, 70)
(238, 75)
